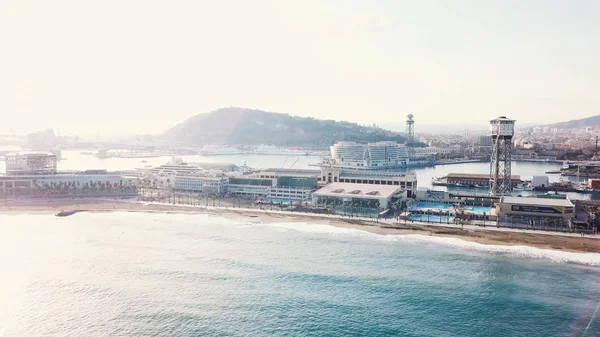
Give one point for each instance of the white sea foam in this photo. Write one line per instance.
(589, 259)
(317, 228)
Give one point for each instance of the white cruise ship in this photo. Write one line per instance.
(215, 150)
(371, 156)
(178, 167)
(274, 150)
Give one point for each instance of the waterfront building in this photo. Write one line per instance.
(273, 184)
(225, 167)
(249, 187)
(76, 184)
(35, 175)
(178, 167)
(280, 188)
(30, 163)
(370, 156)
(289, 187)
(332, 174)
(211, 178)
(460, 199)
(424, 152)
(536, 212)
(216, 184)
(365, 196)
(471, 179)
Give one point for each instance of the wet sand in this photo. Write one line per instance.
(539, 239)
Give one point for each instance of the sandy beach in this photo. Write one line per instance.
(490, 235)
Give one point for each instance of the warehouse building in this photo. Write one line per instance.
(471, 179)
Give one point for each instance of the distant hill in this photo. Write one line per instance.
(246, 126)
(593, 121)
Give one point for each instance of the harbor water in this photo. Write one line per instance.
(134, 274)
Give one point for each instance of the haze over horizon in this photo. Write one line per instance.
(127, 67)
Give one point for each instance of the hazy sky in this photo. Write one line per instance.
(142, 66)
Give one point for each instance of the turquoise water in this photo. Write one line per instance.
(480, 209)
(431, 205)
(431, 218)
(126, 274)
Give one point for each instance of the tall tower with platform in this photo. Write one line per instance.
(502, 131)
(410, 129)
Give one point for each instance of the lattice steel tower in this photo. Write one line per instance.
(502, 131)
(410, 129)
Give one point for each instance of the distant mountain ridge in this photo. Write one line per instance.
(593, 121)
(248, 126)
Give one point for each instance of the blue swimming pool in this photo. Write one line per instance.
(431, 205)
(431, 218)
(480, 209)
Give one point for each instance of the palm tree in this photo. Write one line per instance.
(353, 205)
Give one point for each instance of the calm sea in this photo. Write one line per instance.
(124, 274)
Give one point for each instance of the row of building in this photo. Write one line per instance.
(36, 175)
(331, 186)
(330, 183)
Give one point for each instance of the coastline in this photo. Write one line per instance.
(488, 236)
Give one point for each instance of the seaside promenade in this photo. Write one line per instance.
(226, 206)
(490, 235)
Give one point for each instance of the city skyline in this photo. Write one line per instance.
(141, 67)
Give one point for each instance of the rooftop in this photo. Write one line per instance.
(477, 175)
(30, 154)
(366, 191)
(502, 118)
(537, 201)
(370, 174)
(291, 172)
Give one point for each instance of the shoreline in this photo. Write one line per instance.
(566, 242)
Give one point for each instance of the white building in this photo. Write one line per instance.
(30, 163)
(86, 183)
(334, 174)
(201, 184)
(345, 193)
(289, 193)
(420, 152)
(249, 187)
(379, 155)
